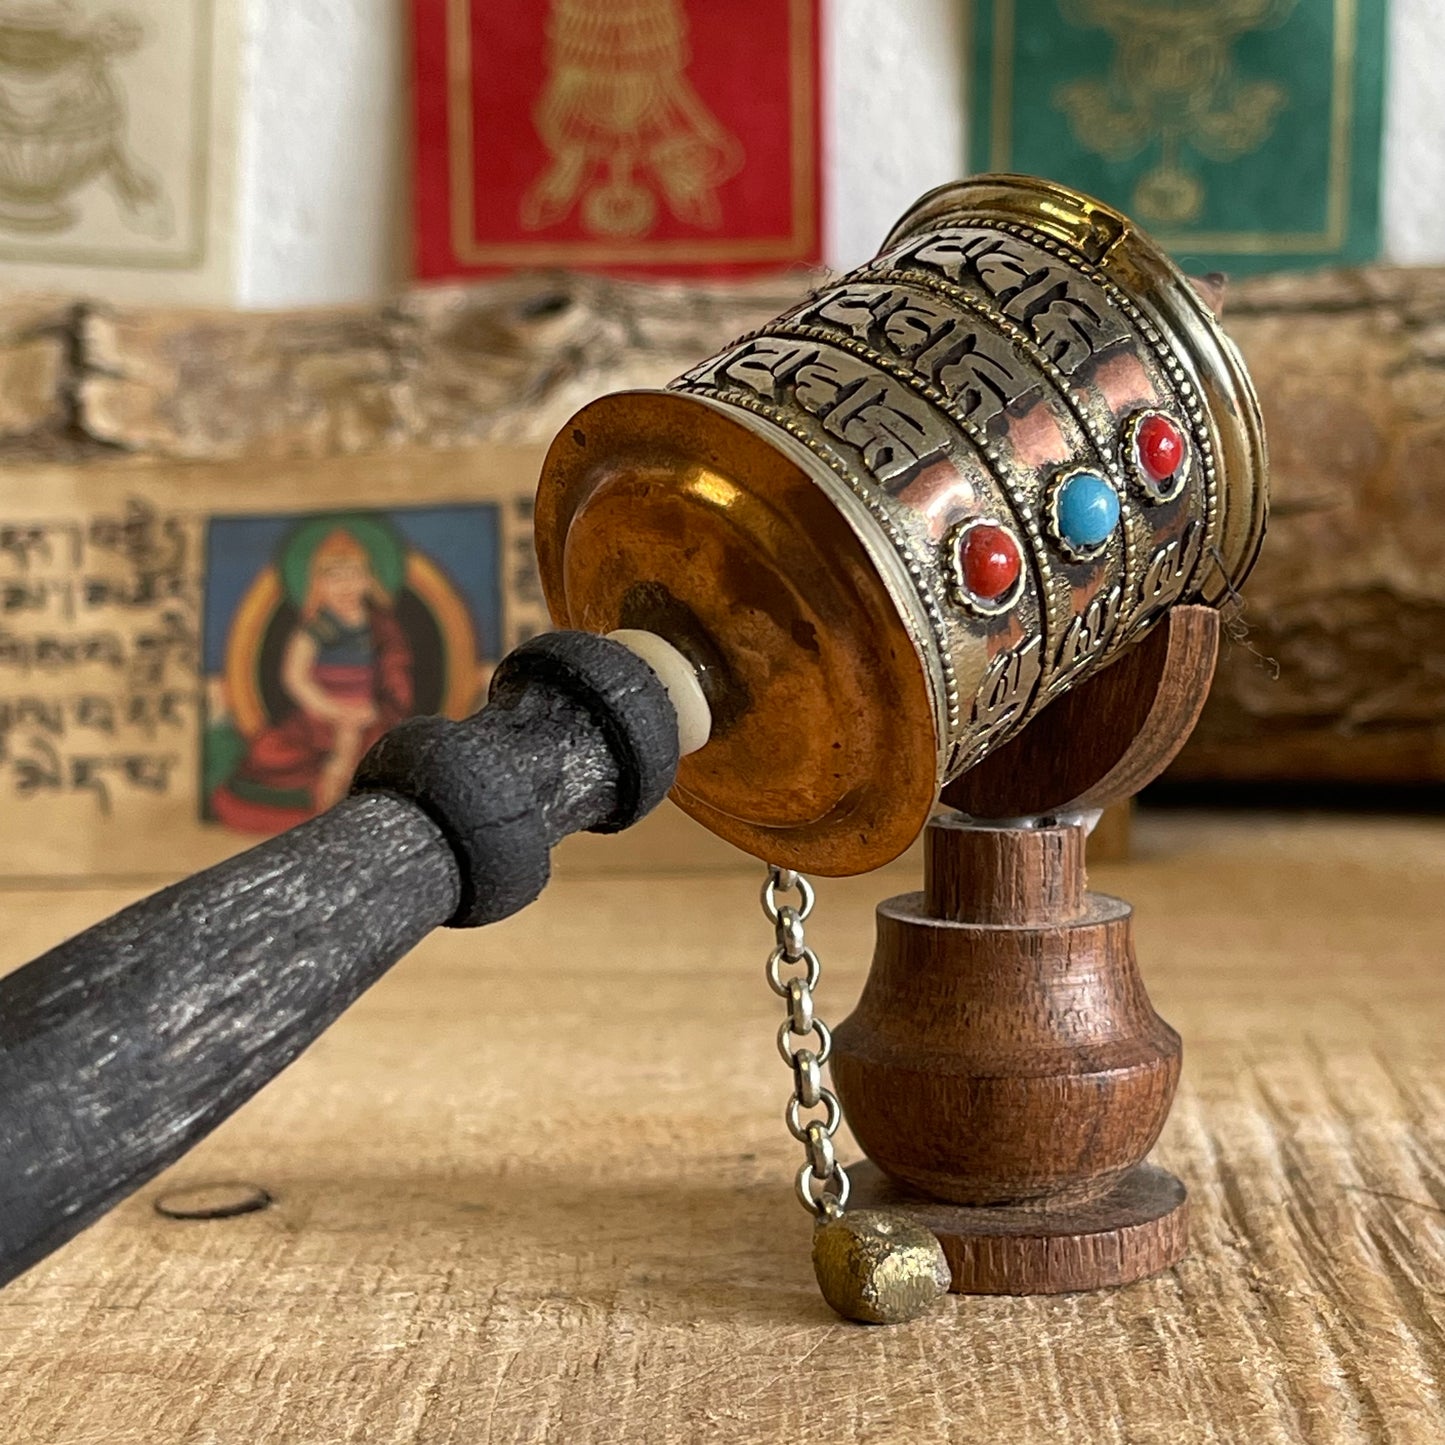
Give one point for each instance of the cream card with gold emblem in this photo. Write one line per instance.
(117, 147)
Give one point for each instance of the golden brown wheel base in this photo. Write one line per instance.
(1139, 1228)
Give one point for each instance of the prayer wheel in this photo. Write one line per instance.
(892, 525)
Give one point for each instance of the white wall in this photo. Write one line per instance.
(323, 200)
(892, 122)
(1413, 183)
(323, 138)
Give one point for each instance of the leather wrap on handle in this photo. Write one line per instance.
(126, 1045)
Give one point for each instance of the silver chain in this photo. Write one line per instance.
(822, 1183)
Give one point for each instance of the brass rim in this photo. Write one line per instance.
(826, 755)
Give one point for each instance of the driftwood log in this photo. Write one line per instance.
(1336, 673)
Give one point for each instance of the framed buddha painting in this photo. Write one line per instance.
(322, 632)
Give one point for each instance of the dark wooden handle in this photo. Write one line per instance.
(126, 1045)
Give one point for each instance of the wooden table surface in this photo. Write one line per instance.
(536, 1186)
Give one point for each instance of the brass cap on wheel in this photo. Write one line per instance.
(659, 511)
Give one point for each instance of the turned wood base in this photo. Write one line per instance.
(1004, 1070)
(1141, 1226)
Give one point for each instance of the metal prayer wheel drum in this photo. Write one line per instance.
(896, 522)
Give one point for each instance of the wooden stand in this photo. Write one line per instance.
(1004, 1069)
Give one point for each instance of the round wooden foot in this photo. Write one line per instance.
(1138, 1228)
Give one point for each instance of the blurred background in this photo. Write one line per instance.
(292, 297)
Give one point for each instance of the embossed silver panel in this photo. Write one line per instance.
(965, 372)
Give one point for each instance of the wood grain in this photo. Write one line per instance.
(122, 1047)
(1102, 741)
(1337, 668)
(1006, 1059)
(510, 360)
(536, 1187)
(1002, 875)
(1137, 1228)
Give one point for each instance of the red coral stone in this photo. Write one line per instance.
(1160, 445)
(989, 561)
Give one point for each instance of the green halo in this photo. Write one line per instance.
(385, 549)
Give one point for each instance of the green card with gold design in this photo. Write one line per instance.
(1245, 134)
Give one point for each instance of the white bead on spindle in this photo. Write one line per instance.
(679, 677)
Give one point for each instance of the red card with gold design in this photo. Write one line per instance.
(665, 136)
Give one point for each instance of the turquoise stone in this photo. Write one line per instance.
(1087, 510)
